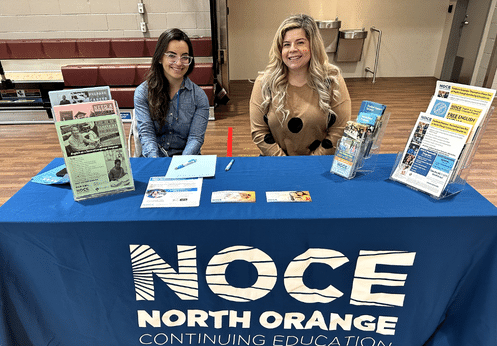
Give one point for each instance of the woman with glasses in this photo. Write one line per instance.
(171, 111)
(300, 104)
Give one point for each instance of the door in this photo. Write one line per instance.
(464, 41)
(452, 65)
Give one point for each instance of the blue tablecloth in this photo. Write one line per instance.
(367, 262)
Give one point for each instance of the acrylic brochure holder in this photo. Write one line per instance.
(457, 180)
(366, 156)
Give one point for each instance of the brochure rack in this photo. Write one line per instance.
(368, 164)
(457, 181)
(366, 157)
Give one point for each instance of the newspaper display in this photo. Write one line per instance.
(431, 154)
(166, 193)
(93, 144)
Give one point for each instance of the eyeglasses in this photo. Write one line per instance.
(173, 58)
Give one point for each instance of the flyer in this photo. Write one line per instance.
(232, 196)
(462, 111)
(431, 155)
(288, 196)
(167, 193)
(454, 92)
(466, 104)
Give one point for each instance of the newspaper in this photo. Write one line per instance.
(93, 144)
(431, 154)
(163, 192)
(83, 95)
(85, 110)
(80, 95)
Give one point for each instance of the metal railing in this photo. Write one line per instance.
(377, 55)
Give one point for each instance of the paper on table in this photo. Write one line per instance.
(288, 196)
(203, 167)
(166, 193)
(50, 177)
(232, 196)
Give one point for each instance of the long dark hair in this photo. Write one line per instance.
(158, 85)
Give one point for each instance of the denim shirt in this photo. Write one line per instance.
(185, 126)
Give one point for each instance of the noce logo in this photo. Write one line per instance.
(183, 281)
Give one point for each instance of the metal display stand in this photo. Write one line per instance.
(457, 182)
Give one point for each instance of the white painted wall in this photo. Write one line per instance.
(486, 48)
(412, 33)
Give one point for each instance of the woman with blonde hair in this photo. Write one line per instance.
(300, 104)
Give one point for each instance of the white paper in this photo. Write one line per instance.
(165, 193)
(204, 166)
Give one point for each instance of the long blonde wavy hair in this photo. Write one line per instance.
(322, 75)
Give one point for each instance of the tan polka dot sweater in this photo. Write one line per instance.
(307, 130)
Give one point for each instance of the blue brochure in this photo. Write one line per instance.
(50, 177)
(372, 107)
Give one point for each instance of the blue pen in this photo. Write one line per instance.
(228, 167)
(186, 164)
